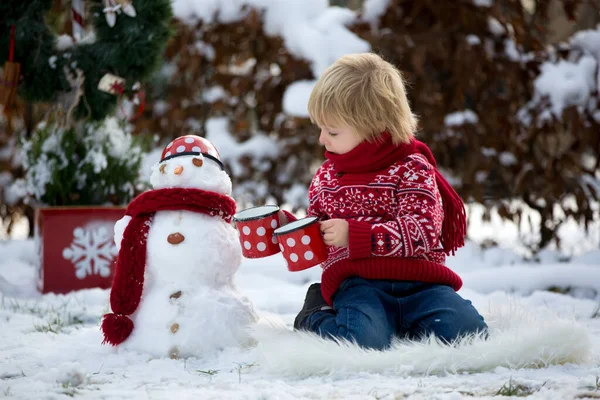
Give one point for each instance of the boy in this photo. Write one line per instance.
(387, 215)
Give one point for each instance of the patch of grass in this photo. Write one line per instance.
(68, 390)
(511, 388)
(243, 366)
(55, 325)
(22, 307)
(208, 372)
(55, 319)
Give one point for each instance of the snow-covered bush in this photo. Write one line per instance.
(96, 163)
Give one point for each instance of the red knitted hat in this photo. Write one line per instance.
(191, 145)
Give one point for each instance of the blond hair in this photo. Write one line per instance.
(365, 93)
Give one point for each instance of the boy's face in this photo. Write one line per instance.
(339, 140)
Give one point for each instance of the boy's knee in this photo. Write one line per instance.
(459, 328)
(366, 338)
(376, 342)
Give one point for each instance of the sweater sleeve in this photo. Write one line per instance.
(417, 226)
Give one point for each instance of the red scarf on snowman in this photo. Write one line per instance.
(128, 282)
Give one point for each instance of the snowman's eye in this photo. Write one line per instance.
(162, 168)
(197, 162)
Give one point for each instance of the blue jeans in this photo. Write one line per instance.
(372, 312)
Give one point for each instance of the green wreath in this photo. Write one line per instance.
(131, 49)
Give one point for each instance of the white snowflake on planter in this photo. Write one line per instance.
(92, 251)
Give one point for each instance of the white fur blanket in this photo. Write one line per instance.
(518, 338)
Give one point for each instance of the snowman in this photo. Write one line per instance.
(173, 292)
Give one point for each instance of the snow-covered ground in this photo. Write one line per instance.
(50, 344)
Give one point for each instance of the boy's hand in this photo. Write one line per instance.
(335, 232)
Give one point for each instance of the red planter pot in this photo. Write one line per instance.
(76, 247)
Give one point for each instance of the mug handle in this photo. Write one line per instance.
(286, 217)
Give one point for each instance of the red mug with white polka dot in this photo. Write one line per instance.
(256, 226)
(301, 243)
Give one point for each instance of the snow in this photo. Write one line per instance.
(295, 98)
(548, 342)
(566, 83)
(483, 3)
(588, 41)
(473, 40)
(507, 159)
(495, 27)
(373, 10)
(260, 146)
(64, 42)
(214, 94)
(460, 118)
(571, 82)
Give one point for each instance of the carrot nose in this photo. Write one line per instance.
(178, 170)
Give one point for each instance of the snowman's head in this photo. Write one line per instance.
(191, 162)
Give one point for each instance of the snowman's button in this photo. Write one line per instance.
(174, 328)
(175, 238)
(175, 295)
(174, 353)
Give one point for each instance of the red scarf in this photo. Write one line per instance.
(378, 155)
(128, 282)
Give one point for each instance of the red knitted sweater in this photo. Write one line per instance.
(390, 196)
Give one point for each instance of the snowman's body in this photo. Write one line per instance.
(189, 304)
